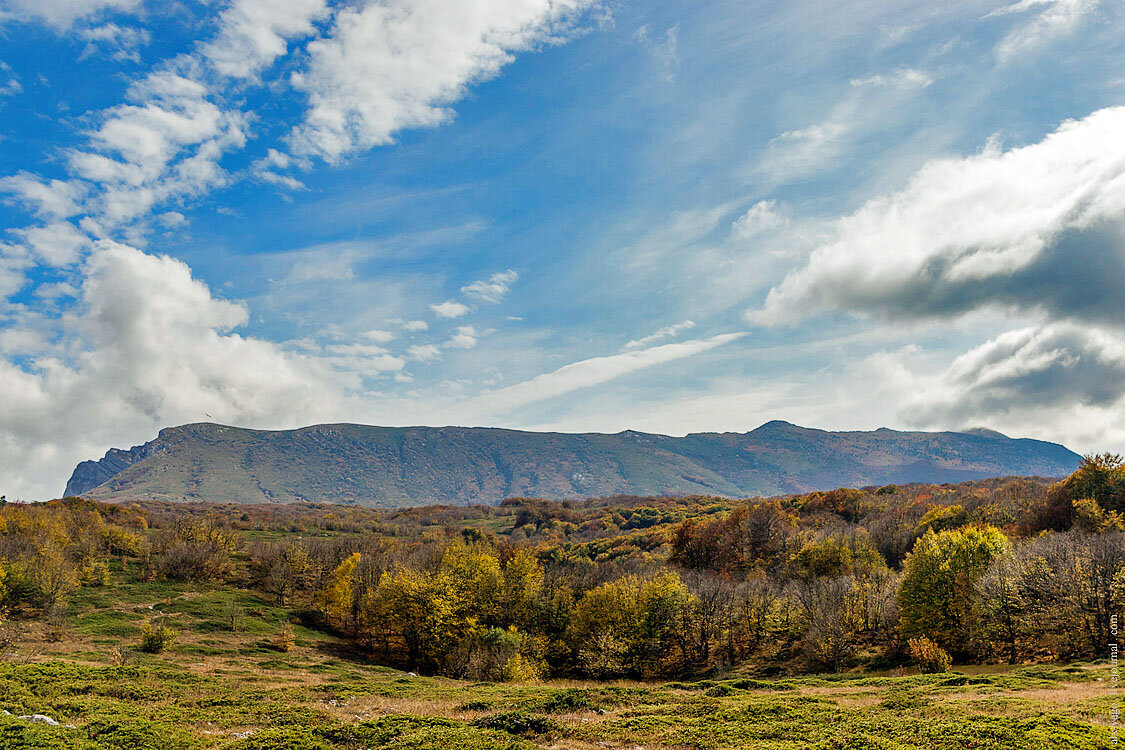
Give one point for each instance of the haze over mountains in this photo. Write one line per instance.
(399, 466)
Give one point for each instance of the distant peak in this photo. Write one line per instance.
(984, 432)
(778, 424)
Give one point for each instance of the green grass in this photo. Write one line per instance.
(168, 706)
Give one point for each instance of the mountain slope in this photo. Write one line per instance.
(396, 466)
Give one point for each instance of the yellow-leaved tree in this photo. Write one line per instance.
(337, 599)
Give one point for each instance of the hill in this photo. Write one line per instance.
(401, 466)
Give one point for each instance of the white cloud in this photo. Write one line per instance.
(987, 230)
(56, 244)
(171, 219)
(399, 64)
(362, 360)
(62, 13)
(664, 49)
(493, 289)
(590, 372)
(663, 333)
(379, 336)
(869, 105)
(424, 352)
(1058, 381)
(14, 262)
(415, 325)
(281, 180)
(254, 33)
(148, 346)
(9, 82)
(907, 78)
(449, 309)
(164, 145)
(122, 42)
(21, 341)
(465, 337)
(763, 216)
(1051, 20)
(47, 199)
(1060, 365)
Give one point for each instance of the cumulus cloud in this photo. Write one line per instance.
(47, 199)
(1055, 381)
(57, 244)
(1034, 228)
(254, 33)
(379, 336)
(449, 309)
(166, 143)
(1036, 231)
(147, 346)
(62, 13)
(464, 337)
(400, 64)
(424, 352)
(663, 333)
(1060, 365)
(415, 325)
(493, 289)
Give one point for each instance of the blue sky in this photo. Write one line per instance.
(557, 214)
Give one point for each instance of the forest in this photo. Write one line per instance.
(1012, 570)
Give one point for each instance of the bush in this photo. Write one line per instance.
(931, 657)
(284, 640)
(195, 550)
(156, 639)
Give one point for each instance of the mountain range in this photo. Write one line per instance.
(401, 466)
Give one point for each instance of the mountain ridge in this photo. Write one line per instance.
(399, 466)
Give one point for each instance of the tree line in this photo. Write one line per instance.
(1013, 570)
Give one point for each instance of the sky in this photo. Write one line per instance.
(578, 215)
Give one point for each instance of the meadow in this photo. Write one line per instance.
(226, 685)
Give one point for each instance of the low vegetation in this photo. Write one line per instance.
(969, 615)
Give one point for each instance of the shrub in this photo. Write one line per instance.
(156, 639)
(195, 550)
(931, 657)
(285, 640)
(234, 617)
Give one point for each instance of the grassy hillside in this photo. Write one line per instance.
(395, 467)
